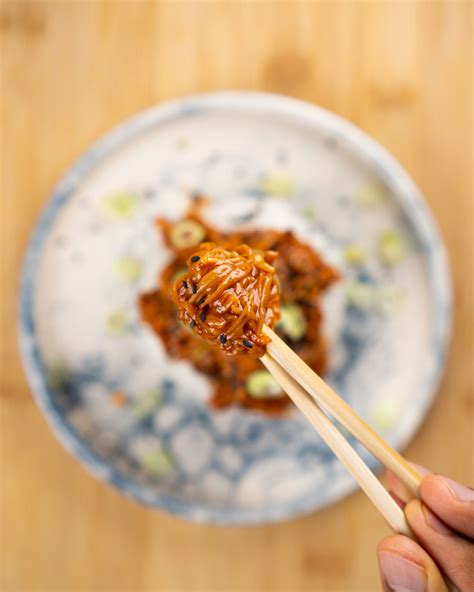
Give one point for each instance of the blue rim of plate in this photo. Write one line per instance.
(404, 190)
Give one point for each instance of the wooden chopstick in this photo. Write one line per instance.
(367, 481)
(329, 400)
(341, 448)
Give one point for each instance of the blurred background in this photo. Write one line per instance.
(70, 70)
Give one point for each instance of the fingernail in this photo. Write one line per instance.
(402, 575)
(458, 490)
(434, 522)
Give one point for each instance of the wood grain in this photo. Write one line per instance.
(70, 69)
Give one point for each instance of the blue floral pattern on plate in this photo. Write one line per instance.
(139, 420)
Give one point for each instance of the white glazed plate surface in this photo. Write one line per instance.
(265, 160)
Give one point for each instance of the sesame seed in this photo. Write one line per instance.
(195, 258)
(195, 289)
(223, 339)
(247, 343)
(202, 316)
(185, 284)
(201, 301)
(192, 324)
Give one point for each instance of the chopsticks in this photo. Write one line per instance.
(309, 392)
(368, 482)
(329, 400)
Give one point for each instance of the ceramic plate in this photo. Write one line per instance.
(139, 420)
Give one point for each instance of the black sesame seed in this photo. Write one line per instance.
(185, 284)
(195, 289)
(192, 324)
(247, 343)
(201, 301)
(223, 339)
(202, 316)
(195, 258)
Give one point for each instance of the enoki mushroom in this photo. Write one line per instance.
(227, 296)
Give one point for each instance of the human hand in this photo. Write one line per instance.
(443, 521)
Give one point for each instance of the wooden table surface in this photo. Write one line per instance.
(71, 69)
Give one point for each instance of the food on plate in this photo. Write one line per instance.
(302, 277)
(227, 296)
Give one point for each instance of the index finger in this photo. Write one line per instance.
(451, 501)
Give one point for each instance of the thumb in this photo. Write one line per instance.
(406, 567)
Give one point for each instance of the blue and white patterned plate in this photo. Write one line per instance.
(137, 419)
